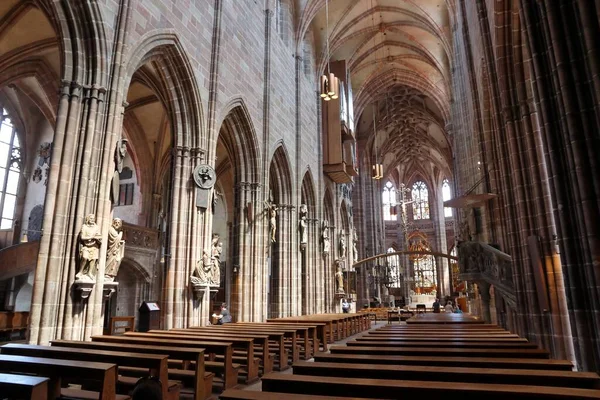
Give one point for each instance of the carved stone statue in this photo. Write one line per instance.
(325, 238)
(354, 249)
(302, 225)
(202, 272)
(120, 153)
(89, 249)
(272, 210)
(342, 244)
(217, 249)
(339, 278)
(115, 250)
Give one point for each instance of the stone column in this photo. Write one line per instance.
(439, 223)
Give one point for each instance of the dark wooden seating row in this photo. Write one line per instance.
(397, 389)
(60, 371)
(153, 365)
(573, 379)
(24, 387)
(470, 361)
(473, 362)
(198, 379)
(237, 394)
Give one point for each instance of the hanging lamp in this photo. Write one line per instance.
(329, 83)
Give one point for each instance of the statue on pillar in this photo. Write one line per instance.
(217, 249)
(202, 273)
(342, 244)
(89, 249)
(339, 277)
(272, 210)
(302, 224)
(325, 238)
(115, 251)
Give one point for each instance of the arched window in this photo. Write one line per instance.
(10, 170)
(446, 195)
(420, 197)
(388, 199)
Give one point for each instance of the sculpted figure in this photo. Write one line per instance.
(115, 250)
(325, 237)
(339, 278)
(202, 272)
(272, 210)
(120, 153)
(215, 272)
(342, 244)
(302, 224)
(89, 249)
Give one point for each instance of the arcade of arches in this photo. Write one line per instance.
(180, 153)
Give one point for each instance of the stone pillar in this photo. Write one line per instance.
(444, 277)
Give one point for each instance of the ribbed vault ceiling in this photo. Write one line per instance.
(398, 53)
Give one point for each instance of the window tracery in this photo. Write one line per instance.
(420, 197)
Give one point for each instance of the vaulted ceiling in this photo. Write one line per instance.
(398, 53)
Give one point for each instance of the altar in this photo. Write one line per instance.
(427, 299)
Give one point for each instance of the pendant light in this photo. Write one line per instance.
(329, 83)
(377, 168)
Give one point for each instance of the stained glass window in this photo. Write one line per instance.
(10, 170)
(389, 200)
(393, 265)
(446, 195)
(420, 197)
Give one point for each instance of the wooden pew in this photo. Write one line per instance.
(225, 349)
(296, 338)
(237, 394)
(442, 335)
(201, 379)
(244, 343)
(400, 389)
(324, 328)
(24, 386)
(424, 340)
(277, 334)
(316, 331)
(155, 365)
(56, 370)
(582, 380)
(262, 339)
(450, 352)
(304, 334)
(443, 344)
(471, 362)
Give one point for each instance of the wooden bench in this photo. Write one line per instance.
(227, 368)
(316, 332)
(324, 329)
(237, 394)
(296, 337)
(244, 343)
(583, 380)
(201, 380)
(444, 344)
(471, 362)
(154, 365)
(277, 335)
(443, 335)
(262, 341)
(450, 352)
(59, 370)
(403, 338)
(24, 387)
(399, 389)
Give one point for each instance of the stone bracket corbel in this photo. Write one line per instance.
(109, 289)
(84, 288)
